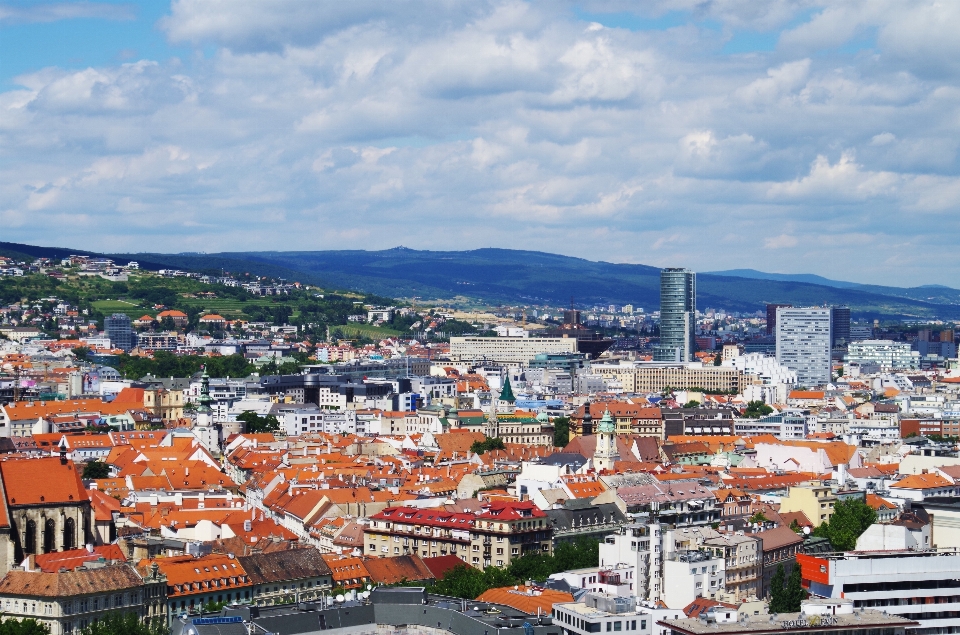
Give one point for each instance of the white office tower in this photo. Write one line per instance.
(803, 343)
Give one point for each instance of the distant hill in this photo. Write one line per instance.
(783, 277)
(530, 277)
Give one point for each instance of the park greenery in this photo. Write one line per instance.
(488, 444)
(757, 409)
(786, 599)
(466, 582)
(95, 470)
(256, 423)
(561, 431)
(849, 520)
(26, 626)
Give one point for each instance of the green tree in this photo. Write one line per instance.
(718, 359)
(490, 443)
(693, 403)
(124, 624)
(96, 469)
(757, 409)
(758, 518)
(849, 520)
(81, 353)
(561, 432)
(256, 423)
(26, 626)
(777, 592)
(794, 593)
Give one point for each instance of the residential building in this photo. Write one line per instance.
(804, 337)
(599, 612)
(691, 574)
(886, 354)
(508, 350)
(505, 531)
(195, 581)
(678, 316)
(424, 532)
(637, 545)
(780, 546)
(69, 601)
(742, 564)
(284, 577)
(814, 499)
(645, 377)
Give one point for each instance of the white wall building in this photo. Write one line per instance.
(804, 336)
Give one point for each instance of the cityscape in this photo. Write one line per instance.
(494, 318)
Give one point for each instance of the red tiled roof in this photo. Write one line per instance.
(61, 481)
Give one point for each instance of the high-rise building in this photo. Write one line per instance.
(772, 317)
(120, 331)
(678, 315)
(804, 335)
(841, 326)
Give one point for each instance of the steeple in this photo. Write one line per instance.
(205, 399)
(606, 453)
(507, 393)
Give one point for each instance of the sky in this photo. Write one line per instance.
(790, 136)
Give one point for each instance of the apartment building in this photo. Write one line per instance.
(741, 556)
(424, 532)
(814, 499)
(505, 531)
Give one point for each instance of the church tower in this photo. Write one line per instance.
(204, 429)
(507, 402)
(606, 453)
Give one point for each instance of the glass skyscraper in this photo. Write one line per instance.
(120, 331)
(678, 315)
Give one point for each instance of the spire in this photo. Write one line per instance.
(205, 399)
(607, 425)
(507, 393)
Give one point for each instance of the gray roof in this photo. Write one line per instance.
(278, 566)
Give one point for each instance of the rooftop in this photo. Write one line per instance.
(864, 619)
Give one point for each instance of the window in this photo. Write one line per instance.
(609, 626)
(616, 626)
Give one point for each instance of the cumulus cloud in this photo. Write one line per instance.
(507, 123)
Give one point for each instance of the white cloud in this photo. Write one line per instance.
(511, 124)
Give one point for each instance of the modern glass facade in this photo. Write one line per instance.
(120, 331)
(678, 315)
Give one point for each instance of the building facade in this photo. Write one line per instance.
(804, 337)
(678, 315)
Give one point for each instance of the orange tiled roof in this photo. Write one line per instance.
(922, 481)
(61, 481)
(524, 598)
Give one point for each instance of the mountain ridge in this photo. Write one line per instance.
(495, 275)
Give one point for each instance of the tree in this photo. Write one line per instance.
(850, 519)
(26, 626)
(718, 359)
(256, 423)
(81, 352)
(96, 469)
(693, 403)
(561, 432)
(757, 409)
(794, 594)
(777, 592)
(758, 519)
(124, 624)
(490, 443)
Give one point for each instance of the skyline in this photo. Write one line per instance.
(789, 137)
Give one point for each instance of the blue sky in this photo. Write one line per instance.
(790, 136)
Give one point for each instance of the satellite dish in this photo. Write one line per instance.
(365, 595)
(806, 530)
(339, 598)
